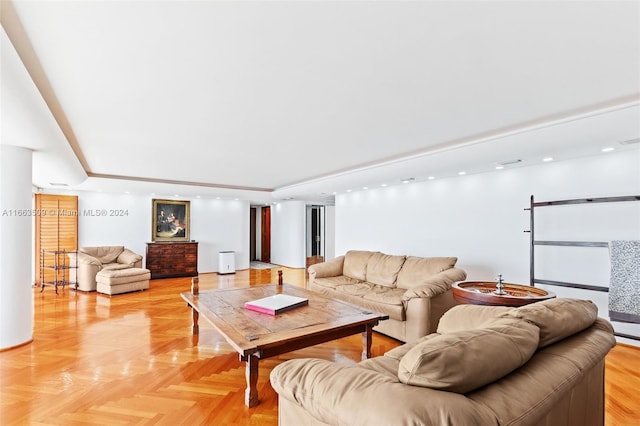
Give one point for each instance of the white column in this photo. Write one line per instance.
(16, 291)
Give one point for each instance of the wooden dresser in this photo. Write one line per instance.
(166, 260)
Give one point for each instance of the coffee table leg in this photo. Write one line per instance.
(366, 341)
(196, 327)
(251, 373)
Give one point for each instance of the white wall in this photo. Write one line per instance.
(220, 225)
(217, 225)
(114, 220)
(288, 234)
(330, 232)
(16, 264)
(480, 219)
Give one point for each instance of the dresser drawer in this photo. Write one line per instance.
(166, 260)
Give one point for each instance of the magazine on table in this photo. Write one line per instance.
(276, 304)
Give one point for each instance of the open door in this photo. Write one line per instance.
(266, 234)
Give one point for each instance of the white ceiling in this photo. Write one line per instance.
(270, 100)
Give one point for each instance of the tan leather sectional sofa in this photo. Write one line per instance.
(539, 364)
(92, 260)
(414, 291)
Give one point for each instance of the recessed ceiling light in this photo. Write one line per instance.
(462, 173)
(127, 192)
(431, 177)
(365, 187)
(348, 190)
(384, 184)
(175, 195)
(500, 167)
(407, 180)
(608, 149)
(547, 159)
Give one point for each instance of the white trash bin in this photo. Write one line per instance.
(227, 262)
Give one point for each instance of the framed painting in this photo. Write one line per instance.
(170, 220)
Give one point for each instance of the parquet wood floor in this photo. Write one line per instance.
(131, 360)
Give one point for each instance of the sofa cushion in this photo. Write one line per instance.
(383, 365)
(115, 266)
(384, 295)
(358, 289)
(383, 269)
(128, 257)
(399, 352)
(355, 264)
(122, 276)
(466, 360)
(105, 254)
(333, 282)
(465, 317)
(417, 270)
(557, 318)
(357, 294)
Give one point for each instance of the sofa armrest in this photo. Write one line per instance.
(84, 259)
(352, 395)
(331, 268)
(128, 257)
(437, 284)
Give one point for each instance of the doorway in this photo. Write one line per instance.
(252, 234)
(315, 234)
(265, 234)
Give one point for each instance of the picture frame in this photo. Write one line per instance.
(170, 220)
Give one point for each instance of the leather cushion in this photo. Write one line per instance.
(333, 282)
(383, 269)
(468, 359)
(355, 264)
(417, 270)
(105, 254)
(465, 317)
(557, 318)
(114, 266)
(122, 276)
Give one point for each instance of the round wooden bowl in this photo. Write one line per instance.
(483, 293)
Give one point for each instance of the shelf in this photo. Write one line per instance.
(61, 268)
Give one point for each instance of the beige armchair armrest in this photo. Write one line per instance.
(437, 284)
(351, 395)
(85, 274)
(85, 259)
(73, 259)
(128, 257)
(331, 268)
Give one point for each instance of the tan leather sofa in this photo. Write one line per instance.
(413, 291)
(91, 260)
(540, 364)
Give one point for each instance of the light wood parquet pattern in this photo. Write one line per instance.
(131, 360)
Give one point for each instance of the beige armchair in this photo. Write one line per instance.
(91, 260)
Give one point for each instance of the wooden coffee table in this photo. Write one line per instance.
(256, 335)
